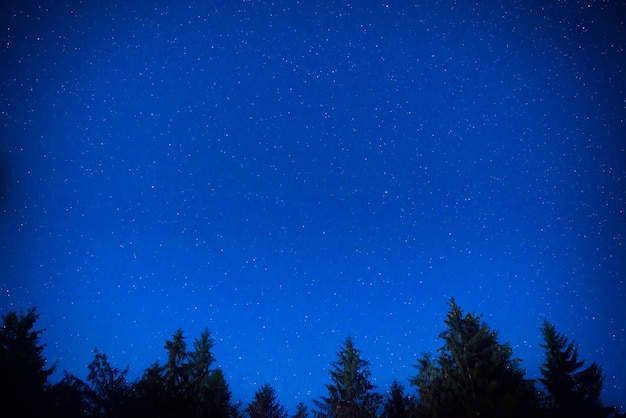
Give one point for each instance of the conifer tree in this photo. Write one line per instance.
(573, 391)
(23, 368)
(474, 374)
(174, 369)
(151, 396)
(200, 360)
(301, 411)
(433, 393)
(109, 386)
(397, 404)
(206, 388)
(68, 398)
(216, 397)
(185, 385)
(350, 394)
(265, 404)
(106, 392)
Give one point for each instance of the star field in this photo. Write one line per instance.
(291, 173)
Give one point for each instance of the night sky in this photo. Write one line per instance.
(288, 174)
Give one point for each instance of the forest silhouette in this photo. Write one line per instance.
(472, 375)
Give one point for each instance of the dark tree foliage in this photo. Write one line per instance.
(350, 394)
(24, 375)
(108, 385)
(164, 390)
(265, 404)
(175, 370)
(200, 361)
(397, 404)
(106, 392)
(474, 374)
(301, 411)
(149, 396)
(215, 398)
(572, 390)
(68, 398)
(433, 393)
(186, 385)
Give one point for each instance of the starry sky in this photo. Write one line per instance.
(291, 173)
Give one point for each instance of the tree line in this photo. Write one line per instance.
(472, 375)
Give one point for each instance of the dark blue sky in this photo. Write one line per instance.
(289, 174)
